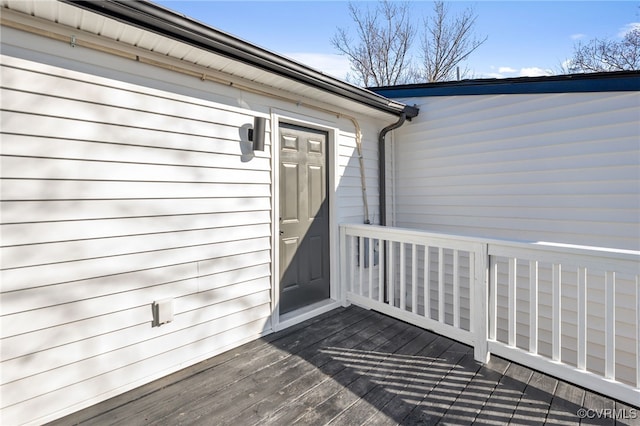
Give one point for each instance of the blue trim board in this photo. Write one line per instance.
(623, 81)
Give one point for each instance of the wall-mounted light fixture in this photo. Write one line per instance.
(256, 135)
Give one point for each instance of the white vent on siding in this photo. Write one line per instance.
(162, 312)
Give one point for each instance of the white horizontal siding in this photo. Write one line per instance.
(114, 198)
(561, 168)
(554, 167)
(349, 185)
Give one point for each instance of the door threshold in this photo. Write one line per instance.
(305, 313)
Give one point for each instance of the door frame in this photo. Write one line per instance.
(278, 116)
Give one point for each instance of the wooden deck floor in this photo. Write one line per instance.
(354, 367)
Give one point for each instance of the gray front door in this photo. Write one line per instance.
(304, 217)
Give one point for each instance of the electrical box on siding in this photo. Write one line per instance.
(162, 312)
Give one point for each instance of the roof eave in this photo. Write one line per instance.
(157, 19)
(617, 81)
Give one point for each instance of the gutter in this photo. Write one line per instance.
(157, 19)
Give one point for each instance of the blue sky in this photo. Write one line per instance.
(525, 38)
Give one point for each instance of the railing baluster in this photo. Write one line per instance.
(556, 327)
(610, 328)
(403, 277)
(456, 289)
(352, 263)
(511, 305)
(371, 263)
(392, 262)
(533, 306)
(493, 303)
(582, 319)
(414, 279)
(360, 263)
(441, 284)
(427, 287)
(381, 271)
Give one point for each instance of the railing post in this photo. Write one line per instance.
(480, 303)
(343, 265)
(637, 331)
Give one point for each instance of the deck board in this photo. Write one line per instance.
(351, 367)
(470, 400)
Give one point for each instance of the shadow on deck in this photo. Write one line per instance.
(354, 367)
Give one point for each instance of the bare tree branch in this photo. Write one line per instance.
(379, 56)
(600, 55)
(447, 42)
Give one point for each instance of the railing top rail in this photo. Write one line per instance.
(413, 236)
(496, 246)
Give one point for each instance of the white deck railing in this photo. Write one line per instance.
(572, 312)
